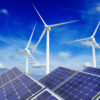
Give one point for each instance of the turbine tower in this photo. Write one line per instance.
(48, 29)
(27, 51)
(94, 43)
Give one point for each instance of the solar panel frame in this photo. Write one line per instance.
(69, 95)
(56, 77)
(92, 70)
(43, 87)
(97, 97)
(53, 96)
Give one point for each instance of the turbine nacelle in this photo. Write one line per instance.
(92, 38)
(48, 27)
(27, 50)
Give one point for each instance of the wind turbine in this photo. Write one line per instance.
(27, 51)
(48, 29)
(94, 43)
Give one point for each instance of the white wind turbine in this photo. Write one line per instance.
(48, 29)
(27, 51)
(94, 43)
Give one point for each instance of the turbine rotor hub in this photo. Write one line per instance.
(27, 50)
(48, 27)
(92, 38)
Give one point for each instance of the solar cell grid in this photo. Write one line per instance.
(56, 77)
(9, 75)
(92, 70)
(20, 88)
(17, 71)
(30, 84)
(80, 87)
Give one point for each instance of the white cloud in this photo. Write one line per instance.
(95, 9)
(64, 54)
(4, 11)
(88, 64)
(1, 65)
(87, 43)
(98, 8)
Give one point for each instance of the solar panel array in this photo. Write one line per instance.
(56, 77)
(19, 88)
(17, 85)
(80, 87)
(92, 70)
(68, 84)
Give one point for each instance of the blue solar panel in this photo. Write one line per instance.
(20, 88)
(30, 84)
(9, 75)
(92, 70)
(17, 71)
(80, 87)
(56, 77)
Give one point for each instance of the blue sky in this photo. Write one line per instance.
(17, 18)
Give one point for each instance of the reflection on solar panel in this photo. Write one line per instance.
(20, 88)
(56, 77)
(80, 87)
(47, 95)
(92, 70)
(9, 75)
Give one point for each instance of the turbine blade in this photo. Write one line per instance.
(17, 53)
(63, 23)
(39, 15)
(31, 36)
(97, 45)
(40, 39)
(96, 29)
(32, 57)
(77, 40)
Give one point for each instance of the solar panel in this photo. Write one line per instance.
(20, 88)
(9, 75)
(56, 77)
(92, 70)
(47, 95)
(82, 86)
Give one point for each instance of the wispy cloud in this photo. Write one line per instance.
(98, 7)
(13, 46)
(87, 43)
(74, 62)
(4, 11)
(64, 54)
